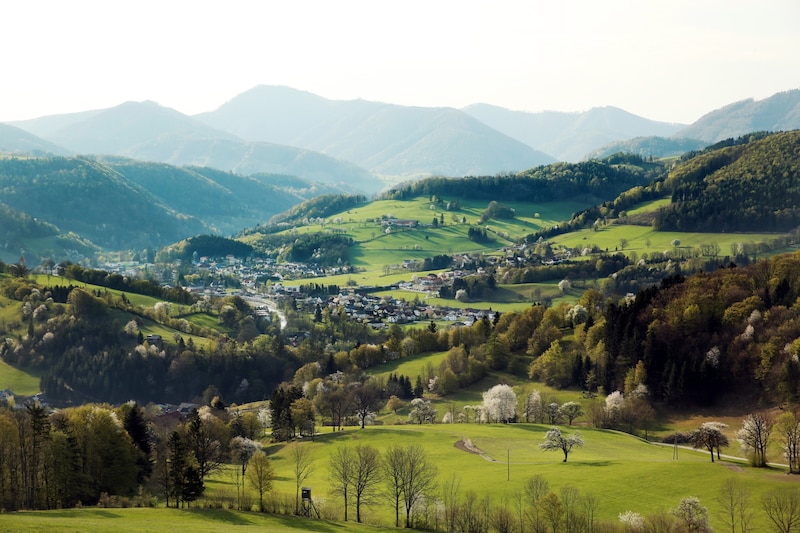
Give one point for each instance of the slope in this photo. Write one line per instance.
(92, 200)
(16, 140)
(746, 187)
(385, 138)
(568, 136)
(658, 147)
(779, 112)
(148, 131)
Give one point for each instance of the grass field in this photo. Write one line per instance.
(162, 520)
(19, 381)
(624, 472)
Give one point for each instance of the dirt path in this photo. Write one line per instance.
(466, 445)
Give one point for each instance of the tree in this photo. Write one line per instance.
(409, 476)
(342, 468)
(367, 476)
(782, 507)
(533, 407)
(177, 460)
(394, 403)
(261, 474)
(734, 503)
(366, 400)
(241, 450)
(555, 440)
(788, 427)
(500, 404)
(754, 437)
(394, 466)
(571, 411)
(206, 450)
(708, 437)
(422, 411)
(137, 429)
(300, 455)
(693, 515)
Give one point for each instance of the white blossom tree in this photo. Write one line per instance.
(422, 411)
(533, 407)
(693, 515)
(754, 437)
(555, 440)
(500, 403)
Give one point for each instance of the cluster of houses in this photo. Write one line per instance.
(380, 311)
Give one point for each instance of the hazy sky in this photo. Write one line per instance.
(671, 60)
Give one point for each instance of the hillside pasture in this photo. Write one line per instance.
(624, 472)
(17, 380)
(161, 520)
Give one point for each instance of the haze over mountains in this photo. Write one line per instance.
(367, 146)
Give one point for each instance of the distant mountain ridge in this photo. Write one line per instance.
(779, 112)
(47, 204)
(384, 138)
(150, 132)
(15, 140)
(657, 147)
(570, 136)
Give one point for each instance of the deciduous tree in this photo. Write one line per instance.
(754, 437)
(555, 440)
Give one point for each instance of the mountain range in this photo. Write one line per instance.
(366, 146)
(73, 206)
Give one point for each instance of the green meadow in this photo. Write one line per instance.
(624, 472)
(160, 520)
(19, 381)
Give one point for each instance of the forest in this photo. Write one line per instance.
(559, 181)
(743, 187)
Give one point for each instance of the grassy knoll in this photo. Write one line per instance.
(166, 521)
(624, 472)
(410, 366)
(19, 381)
(644, 239)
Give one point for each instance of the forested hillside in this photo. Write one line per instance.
(119, 203)
(745, 187)
(597, 180)
(647, 147)
(92, 200)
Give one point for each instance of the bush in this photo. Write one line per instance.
(677, 438)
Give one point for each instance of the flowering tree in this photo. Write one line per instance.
(615, 403)
(555, 440)
(693, 515)
(533, 407)
(754, 437)
(500, 403)
(422, 411)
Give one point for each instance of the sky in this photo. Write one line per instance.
(668, 60)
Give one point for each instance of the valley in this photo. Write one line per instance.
(450, 323)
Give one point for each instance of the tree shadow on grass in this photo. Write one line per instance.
(73, 513)
(222, 515)
(305, 524)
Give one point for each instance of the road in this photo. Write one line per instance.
(260, 301)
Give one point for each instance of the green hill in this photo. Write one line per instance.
(92, 200)
(746, 187)
(646, 147)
